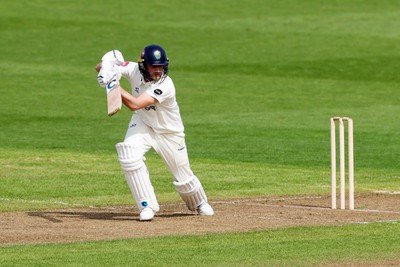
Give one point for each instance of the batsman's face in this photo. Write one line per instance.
(156, 72)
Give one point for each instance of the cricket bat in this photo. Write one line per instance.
(114, 100)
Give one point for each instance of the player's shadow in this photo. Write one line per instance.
(58, 216)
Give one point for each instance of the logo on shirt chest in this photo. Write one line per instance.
(148, 108)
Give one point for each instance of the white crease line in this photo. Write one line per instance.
(39, 201)
(263, 199)
(300, 207)
(217, 202)
(386, 192)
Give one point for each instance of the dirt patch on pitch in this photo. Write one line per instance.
(238, 215)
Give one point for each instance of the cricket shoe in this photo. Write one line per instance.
(147, 214)
(205, 210)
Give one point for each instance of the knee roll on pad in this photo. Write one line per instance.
(192, 192)
(137, 177)
(127, 158)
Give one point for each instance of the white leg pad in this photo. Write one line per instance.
(192, 192)
(137, 177)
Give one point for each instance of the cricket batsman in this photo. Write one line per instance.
(156, 123)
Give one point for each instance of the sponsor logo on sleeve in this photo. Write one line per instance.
(158, 92)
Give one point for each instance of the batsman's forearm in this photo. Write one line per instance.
(135, 103)
(128, 100)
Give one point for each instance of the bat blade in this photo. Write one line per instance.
(114, 101)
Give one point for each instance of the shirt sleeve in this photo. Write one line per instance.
(127, 69)
(162, 92)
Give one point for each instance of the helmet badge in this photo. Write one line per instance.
(157, 54)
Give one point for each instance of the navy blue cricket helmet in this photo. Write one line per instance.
(153, 55)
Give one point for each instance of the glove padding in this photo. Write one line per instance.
(114, 57)
(107, 73)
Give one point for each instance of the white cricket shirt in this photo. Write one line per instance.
(164, 116)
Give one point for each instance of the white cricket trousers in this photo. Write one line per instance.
(170, 147)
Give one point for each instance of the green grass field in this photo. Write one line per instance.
(257, 82)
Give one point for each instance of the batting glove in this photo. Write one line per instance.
(114, 57)
(107, 73)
